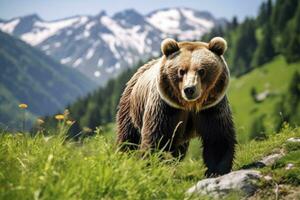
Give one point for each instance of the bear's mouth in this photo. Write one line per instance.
(190, 96)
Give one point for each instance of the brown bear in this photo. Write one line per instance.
(177, 97)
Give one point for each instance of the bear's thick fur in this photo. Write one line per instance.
(177, 97)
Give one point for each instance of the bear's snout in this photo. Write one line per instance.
(189, 92)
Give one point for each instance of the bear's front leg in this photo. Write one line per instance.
(155, 127)
(218, 136)
(159, 125)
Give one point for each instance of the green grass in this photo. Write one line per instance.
(52, 168)
(286, 180)
(275, 77)
(278, 170)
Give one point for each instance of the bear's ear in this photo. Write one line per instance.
(169, 46)
(217, 45)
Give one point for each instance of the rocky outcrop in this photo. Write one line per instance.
(243, 181)
(238, 181)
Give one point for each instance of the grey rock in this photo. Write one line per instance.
(243, 181)
(289, 166)
(266, 161)
(293, 140)
(271, 159)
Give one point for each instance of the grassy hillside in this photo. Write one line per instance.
(31, 77)
(274, 77)
(52, 168)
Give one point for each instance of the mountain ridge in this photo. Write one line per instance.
(29, 76)
(101, 46)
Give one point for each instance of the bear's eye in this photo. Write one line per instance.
(181, 72)
(201, 72)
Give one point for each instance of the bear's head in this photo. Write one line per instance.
(193, 75)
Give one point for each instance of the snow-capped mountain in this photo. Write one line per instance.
(185, 24)
(101, 46)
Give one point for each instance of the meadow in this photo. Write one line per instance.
(54, 167)
(273, 77)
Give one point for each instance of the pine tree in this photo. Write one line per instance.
(294, 99)
(284, 10)
(233, 24)
(216, 31)
(292, 51)
(269, 8)
(262, 14)
(265, 12)
(265, 50)
(244, 47)
(258, 130)
(288, 109)
(253, 94)
(282, 15)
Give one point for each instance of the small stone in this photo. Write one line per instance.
(271, 159)
(293, 140)
(266, 161)
(267, 178)
(289, 166)
(244, 181)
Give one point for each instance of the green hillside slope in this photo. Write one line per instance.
(273, 77)
(29, 76)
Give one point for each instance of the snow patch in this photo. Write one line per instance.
(189, 14)
(127, 38)
(167, 21)
(148, 41)
(79, 37)
(90, 25)
(111, 41)
(65, 60)
(69, 32)
(77, 62)
(57, 44)
(82, 20)
(10, 26)
(97, 73)
(44, 30)
(100, 63)
(109, 70)
(156, 53)
(90, 53)
(117, 65)
(171, 21)
(129, 60)
(45, 47)
(86, 33)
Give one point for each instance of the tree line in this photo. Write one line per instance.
(255, 41)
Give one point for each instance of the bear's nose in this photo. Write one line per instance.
(189, 91)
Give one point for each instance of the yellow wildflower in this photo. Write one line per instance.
(59, 117)
(40, 121)
(23, 106)
(87, 130)
(70, 122)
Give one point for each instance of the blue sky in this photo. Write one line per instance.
(55, 9)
